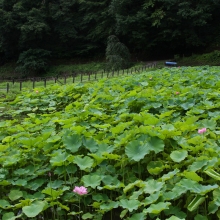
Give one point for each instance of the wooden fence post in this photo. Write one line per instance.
(20, 85)
(33, 83)
(7, 87)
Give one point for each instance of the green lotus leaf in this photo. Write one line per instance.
(155, 167)
(4, 183)
(10, 216)
(53, 139)
(208, 123)
(104, 148)
(34, 209)
(100, 197)
(87, 216)
(212, 207)
(63, 206)
(197, 165)
(192, 175)
(73, 142)
(152, 198)
(129, 204)
(195, 187)
(111, 156)
(91, 180)
(53, 193)
(144, 83)
(95, 111)
(35, 184)
(216, 196)
(136, 194)
(123, 213)
(3, 147)
(84, 163)
(10, 160)
(110, 180)
(166, 114)
(21, 172)
(188, 105)
(118, 129)
(90, 144)
(178, 155)
(4, 204)
(175, 218)
(55, 184)
(168, 127)
(167, 196)
(136, 151)
(157, 208)
(109, 206)
(59, 158)
(155, 144)
(175, 211)
(149, 119)
(152, 186)
(98, 159)
(74, 213)
(20, 182)
(132, 185)
(71, 168)
(200, 217)
(138, 216)
(15, 194)
(169, 175)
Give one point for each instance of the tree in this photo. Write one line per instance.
(117, 54)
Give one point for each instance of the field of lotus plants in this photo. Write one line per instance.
(144, 146)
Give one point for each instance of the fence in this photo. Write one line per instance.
(9, 84)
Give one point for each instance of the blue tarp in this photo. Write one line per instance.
(170, 63)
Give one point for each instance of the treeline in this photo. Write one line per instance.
(31, 32)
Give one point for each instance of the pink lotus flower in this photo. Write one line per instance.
(201, 131)
(177, 93)
(80, 190)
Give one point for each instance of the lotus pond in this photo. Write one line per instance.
(137, 147)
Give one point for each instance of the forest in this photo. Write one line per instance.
(32, 33)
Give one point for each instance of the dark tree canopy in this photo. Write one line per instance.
(80, 28)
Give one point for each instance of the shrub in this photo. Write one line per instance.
(33, 62)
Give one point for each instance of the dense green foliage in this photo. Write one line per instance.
(212, 59)
(133, 143)
(117, 54)
(74, 28)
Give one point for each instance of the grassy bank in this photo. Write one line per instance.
(62, 67)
